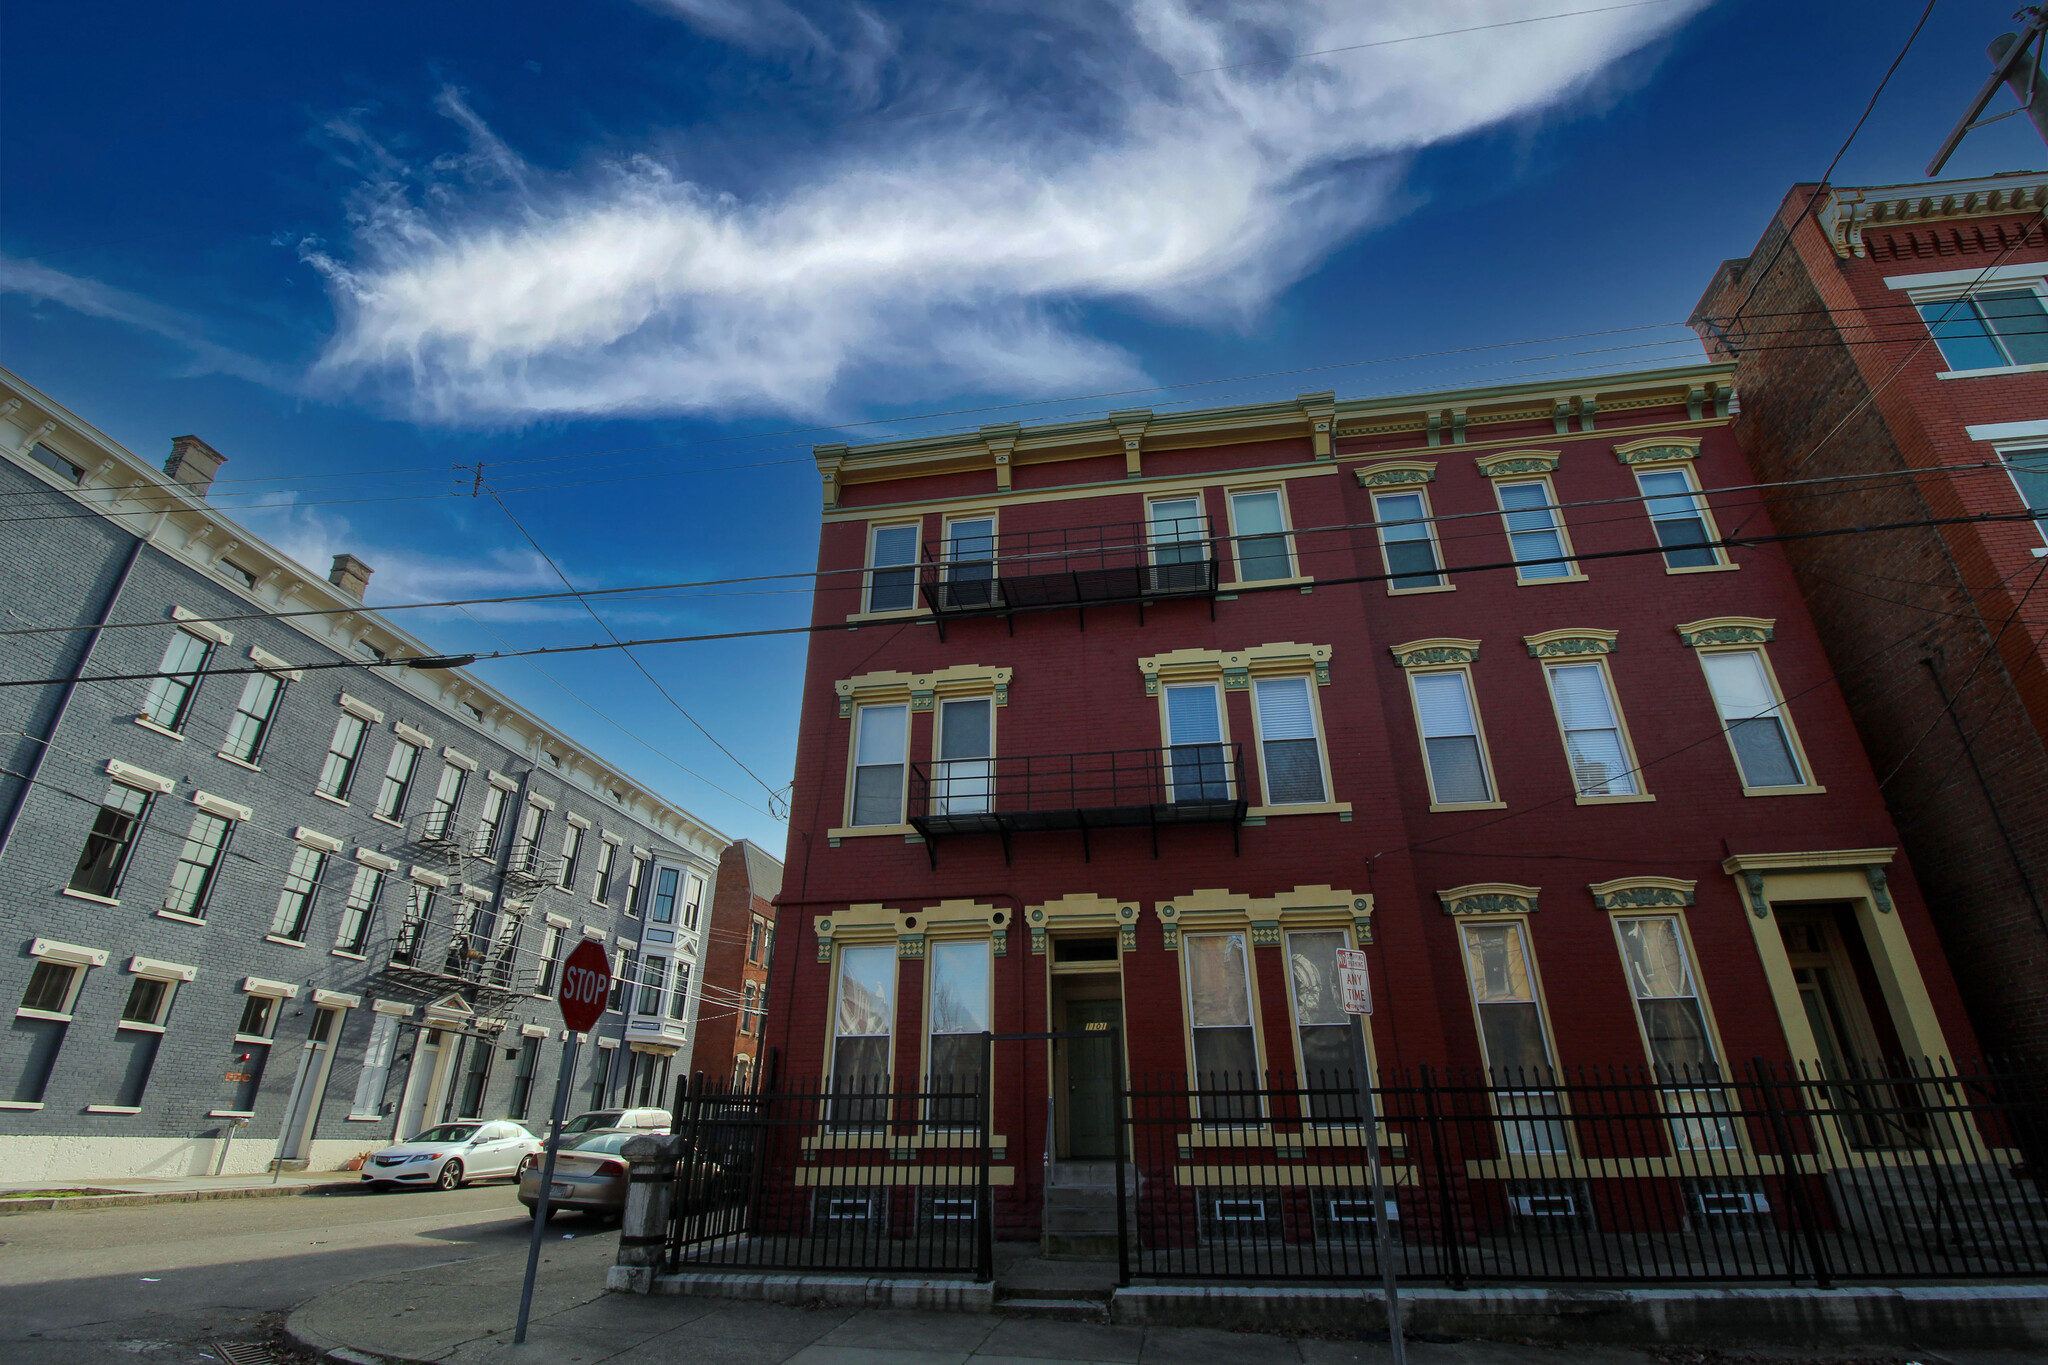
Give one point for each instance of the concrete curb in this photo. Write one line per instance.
(836, 1291)
(326, 1348)
(85, 1203)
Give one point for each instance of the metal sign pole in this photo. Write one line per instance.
(547, 1176)
(1355, 982)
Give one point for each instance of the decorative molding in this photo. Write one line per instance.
(536, 799)
(875, 923)
(558, 921)
(459, 759)
(479, 894)
(1489, 898)
(922, 690)
(282, 990)
(533, 1030)
(1321, 411)
(411, 735)
(313, 838)
(221, 806)
(128, 775)
(1265, 918)
(1082, 911)
(1728, 630)
(426, 878)
(371, 858)
(1236, 667)
(73, 953)
(1849, 213)
(1395, 473)
(271, 663)
(501, 782)
(198, 625)
(1440, 650)
(337, 999)
(1642, 893)
(1753, 867)
(1658, 450)
(397, 1009)
(1511, 462)
(1566, 644)
(360, 709)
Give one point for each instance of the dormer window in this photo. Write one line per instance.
(227, 568)
(55, 463)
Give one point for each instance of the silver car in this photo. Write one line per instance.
(590, 1175)
(449, 1154)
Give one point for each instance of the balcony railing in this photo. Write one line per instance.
(1077, 567)
(1182, 784)
(442, 943)
(528, 868)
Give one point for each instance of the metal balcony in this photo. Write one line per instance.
(1184, 784)
(437, 835)
(458, 948)
(528, 869)
(1125, 563)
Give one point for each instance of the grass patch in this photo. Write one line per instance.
(53, 1194)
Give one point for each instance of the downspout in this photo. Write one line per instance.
(35, 763)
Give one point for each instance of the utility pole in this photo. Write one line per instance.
(2012, 65)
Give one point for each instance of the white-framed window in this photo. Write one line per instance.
(344, 752)
(420, 902)
(253, 715)
(1513, 1038)
(53, 986)
(1676, 1035)
(1536, 537)
(1197, 761)
(1453, 749)
(1290, 749)
(693, 899)
(661, 907)
(198, 866)
(1595, 747)
(398, 775)
(970, 560)
(56, 464)
(1989, 329)
(2028, 467)
(964, 780)
(301, 888)
(746, 1020)
(572, 854)
(679, 997)
(1679, 515)
(1176, 543)
(1258, 525)
(607, 859)
(653, 985)
(149, 1000)
(115, 829)
(550, 955)
(1330, 1042)
(359, 910)
(1755, 719)
(447, 800)
(635, 874)
(1408, 541)
(863, 1029)
(169, 699)
(377, 1054)
(1222, 1038)
(881, 749)
(959, 1009)
(892, 567)
(490, 822)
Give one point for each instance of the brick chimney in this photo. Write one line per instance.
(351, 575)
(194, 463)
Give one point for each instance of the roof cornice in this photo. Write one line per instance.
(1851, 211)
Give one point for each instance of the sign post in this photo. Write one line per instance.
(586, 981)
(1357, 987)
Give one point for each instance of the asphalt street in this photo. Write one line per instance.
(161, 1284)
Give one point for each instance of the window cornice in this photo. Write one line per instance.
(1489, 898)
(1236, 667)
(873, 923)
(1564, 644)
(1266, 918)
(1727, 630)
(921, 690)
(1642, 893)
(1512, 462)
(1442, 649)
(1658, 450)
(1083, 911)
(1395, 473)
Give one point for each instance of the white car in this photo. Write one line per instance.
(450, 1154)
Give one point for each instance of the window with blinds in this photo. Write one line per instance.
(1450, 738)
(1535, 537)
(1592, 736)
(1754, 718)
(1679, 517)
(1290, 753)
(1260, 524)
(1197, 767)
(878, 758)
(892, 575)
(964, 781)
(1407, 542)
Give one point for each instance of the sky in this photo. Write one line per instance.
(635, 257)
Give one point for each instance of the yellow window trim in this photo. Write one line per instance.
(1508, 464)
(1589, 647)
(1536, 991)
(1739, 635)
(1448, 654)
(1082, 911)
(1379, 483)
(1395, 473)
(1727, 630)
(1570, 643)
(1267, 918)
(1237, 578)
(922, 690)
(1630, 894)
(1441, 649)
(1328, 805)
(1658, 450)
(871, 922)
(1235, 667)
(1489, 898)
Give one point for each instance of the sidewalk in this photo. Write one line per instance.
(131, 1190)
(463, 1314)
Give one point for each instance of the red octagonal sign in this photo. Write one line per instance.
(586, 981)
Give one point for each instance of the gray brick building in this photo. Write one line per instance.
(259, 906)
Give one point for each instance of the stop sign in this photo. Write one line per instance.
(586, 981)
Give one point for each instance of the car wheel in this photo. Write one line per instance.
(451, 1177)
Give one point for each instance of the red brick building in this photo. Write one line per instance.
(1897, 345)
(736, 955)
(1138, 720)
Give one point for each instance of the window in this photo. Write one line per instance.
(398, 774)
(38, 1038)
(892, 572)
(1512, 1039)
(1989, 331)
(754, 939)
(1535, 537)
(862, 1018)
(1226, 1053)
(132, 1056)
(149, 1001)
(572, 853)
(259, 1016)
(653, 977)
(1259, 523)
(114, 830)
(693, 899)
(879, 747)
(625, 972)
(1674, 1023)
(170, 695)
(971, 561)
(359, 910)
(253, 714)
(52, 987)
(550, 954)
(1407, 541)
(1289, 753)
(600, 1076)
(634, 875)
(420, 901)
(522, 1078)
(506, 950)
(1332, 1047)
(377, 1053)
(1759, 731)
(1678, 514)
(447, 800)
(964, 781)
(1593, 743)
(228, 569)
(679, 997)
(55, 463)
(488, 825)
(198, 864)
(1450, 738)
(747, 1009)
(607, 856)
(344, 751)
(533, 822)
(301, 886)
(1177, 537)
(2029, 470)
(1198, 767)
(960, 1010)
(663, 910)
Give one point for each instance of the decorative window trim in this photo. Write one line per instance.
(418, 738)
(922, 690)
(1082, 910)
(615, 840)
(313, 838)
(460, 760)
(198, 625)
(1236, 667)
(383, 862)
(1395, 473)
(595, 934)
(1436, 652)
(360, 709)
(869, 568)
(1507, 464)
(277, 990)
(1266, 918)
(871, 923)
(1939, 286)
(1728, 630)
(558, 921)
(533, 1030)
(271, 663)
(128, 775)
(1489, 898)
(1428, 523)
(1570, 643)
(1658, 450)
(1573, 573)
(581, 822)
(221, 806)
(502, 782)
(394, 1008)
(74, 954)
(426, 878)
(476, 893)
(1642, 893)
(161, 971)
(337, 1000)
(536, 799)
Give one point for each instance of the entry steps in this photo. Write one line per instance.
(1078, 1217)
(1060, 1289)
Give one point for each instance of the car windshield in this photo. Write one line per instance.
(583, 1123)
(608, 1143)
(448, 1132)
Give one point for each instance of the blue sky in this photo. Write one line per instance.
(637, 257)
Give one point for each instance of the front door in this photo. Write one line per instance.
(1091, 1079)
(311, 1087)
(419, 1085)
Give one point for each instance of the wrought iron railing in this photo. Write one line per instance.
(528, 867)
(1126, 562)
